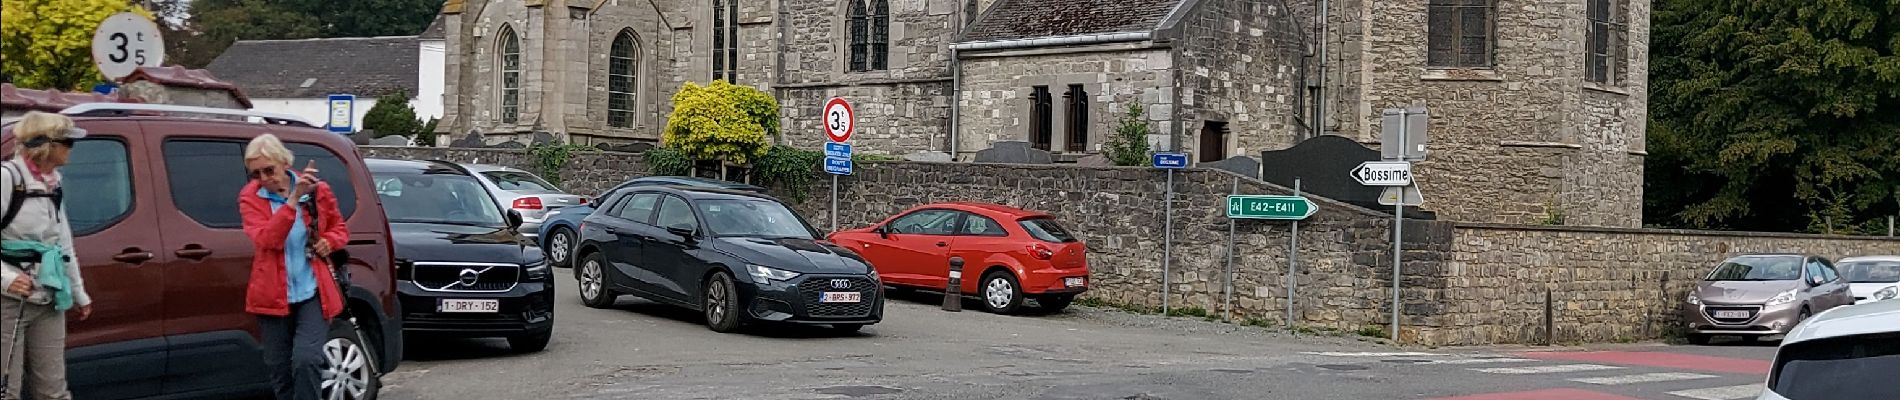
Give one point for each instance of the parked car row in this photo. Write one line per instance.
(1757, 296)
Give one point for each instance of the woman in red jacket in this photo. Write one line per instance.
(291, 289)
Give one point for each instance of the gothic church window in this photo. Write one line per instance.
(1041, 122)
(870, 35)
(725, 40)
(1609, 39)
(510, 59)
(622, 73)
(1461, 33)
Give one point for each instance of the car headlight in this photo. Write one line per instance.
(537, 270)
(1887, 294)
(764, 275)
(1695, 300)
(874, 277)
(1783, 298)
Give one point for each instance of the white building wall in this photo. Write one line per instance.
(317, 110)
(430, 68)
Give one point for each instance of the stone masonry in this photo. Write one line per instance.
(1463, 283)
(1529, 134)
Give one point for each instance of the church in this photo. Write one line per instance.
(1538, 107)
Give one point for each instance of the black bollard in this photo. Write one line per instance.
(953, 294)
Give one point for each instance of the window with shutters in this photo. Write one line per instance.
(725, 48)
(1041, 123)
(870, 35)
(509, 51)
(1461, 33)
(622, 70)
(1078, 118)
(1609, 41)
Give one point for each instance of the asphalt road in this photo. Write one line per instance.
(641, 350)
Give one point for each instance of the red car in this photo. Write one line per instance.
(1009, 254)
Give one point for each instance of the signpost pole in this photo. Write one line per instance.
(1398, 228)
(834, 202)
(1227, 287)
(1167, 246)
(1292, 260)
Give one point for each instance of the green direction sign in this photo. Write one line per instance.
(1270, 207)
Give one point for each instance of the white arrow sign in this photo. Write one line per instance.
(1383, 173)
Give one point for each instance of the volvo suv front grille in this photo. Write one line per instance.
(465, 277)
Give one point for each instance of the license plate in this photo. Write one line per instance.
(1074, 282)
(469, 306)
(1731, 314)
(841, 297)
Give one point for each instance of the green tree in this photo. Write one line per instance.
(1774, 115)
(426, 136)
(392, 116)
(218, 23)
(708, 124)
(47, 44)
(1129, 145)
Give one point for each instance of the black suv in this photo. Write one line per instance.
(463, 269)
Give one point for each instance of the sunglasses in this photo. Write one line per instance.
(40, 141)
(260, 173)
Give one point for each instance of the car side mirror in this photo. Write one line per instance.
(514, 219)
(883, 231)
(685, 232)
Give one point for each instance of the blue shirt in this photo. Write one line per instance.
(302, 282)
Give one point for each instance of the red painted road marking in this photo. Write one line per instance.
(1546, 394)
(1664, 360)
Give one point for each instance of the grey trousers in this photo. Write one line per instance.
(34, 349)
(293, 349)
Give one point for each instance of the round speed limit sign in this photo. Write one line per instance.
(124, 42)
(838, 120)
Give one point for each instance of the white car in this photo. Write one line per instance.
(1873, 278)
(524, 192)
(1845, 353)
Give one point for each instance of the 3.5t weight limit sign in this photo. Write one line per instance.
(839, 120)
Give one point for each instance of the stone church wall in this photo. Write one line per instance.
(1243, 64)
(1529, 135)
(995, 103)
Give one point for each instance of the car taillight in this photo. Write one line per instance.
(583, 201)
(528, 203)
(1041, 253)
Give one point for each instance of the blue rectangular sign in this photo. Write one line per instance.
(838, 166)
(1170, 160)
(838, 150)
(342, 113)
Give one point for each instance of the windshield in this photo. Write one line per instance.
(1046, 229)
(1847, 367)
(1871, 271)
(520, 182)
(753, 217)
(437, 199)
(1758, 268)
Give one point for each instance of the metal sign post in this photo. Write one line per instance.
(1227, 285)
(1402, 140)
(1170, 162)
(1292, 260)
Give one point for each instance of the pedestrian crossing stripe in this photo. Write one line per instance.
(1642, 378)
(1460, 361)
(1369, 354)
(1546, 369)
(1722, 393)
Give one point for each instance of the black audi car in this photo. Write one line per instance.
(462, 269)
(738, 257)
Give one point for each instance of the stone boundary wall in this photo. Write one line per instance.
(1463, 283)
(1606, 284)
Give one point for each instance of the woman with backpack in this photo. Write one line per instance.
(39, 275)
(294, 225)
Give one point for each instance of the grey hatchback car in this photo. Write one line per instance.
(1760, 295)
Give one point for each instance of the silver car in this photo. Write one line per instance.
(524, 192)
(1755, 296)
